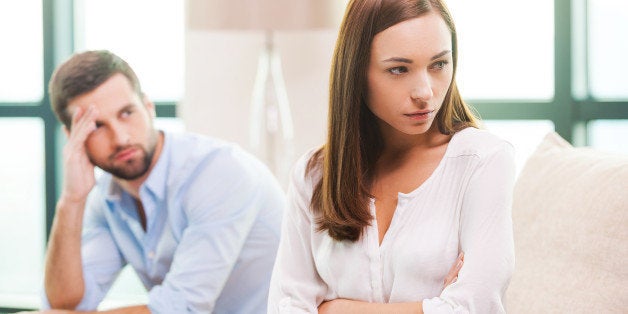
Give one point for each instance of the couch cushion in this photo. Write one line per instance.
(571, 229)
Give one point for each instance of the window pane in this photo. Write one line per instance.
(524, 135)
(506, 48)
(22, 210)
(147, 34)
(608, 47)
(126, 290)
(609, 135)
(21, 56)
(174, 125)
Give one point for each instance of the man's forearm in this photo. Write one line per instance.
(64, 272)
(138, 309)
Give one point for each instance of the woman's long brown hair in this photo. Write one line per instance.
(353, 139)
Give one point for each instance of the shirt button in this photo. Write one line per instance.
(151, 255)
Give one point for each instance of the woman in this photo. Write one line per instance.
(405, 183)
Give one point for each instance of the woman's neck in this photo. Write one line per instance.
(400, 144)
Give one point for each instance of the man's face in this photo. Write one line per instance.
(124, 140)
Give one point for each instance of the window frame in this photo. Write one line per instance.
(58, 45)
(569, 114)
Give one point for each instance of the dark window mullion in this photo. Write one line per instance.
(563, 96)
(166, 109)
(596, 110)
(516, 110)
(58, 35)
(21, 110)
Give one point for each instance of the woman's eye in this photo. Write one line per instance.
(98, 125)
(126, 113)
(398, 70)
(439, 65)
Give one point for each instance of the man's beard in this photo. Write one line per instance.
(132, 168)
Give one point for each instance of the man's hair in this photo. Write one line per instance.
(82, 73)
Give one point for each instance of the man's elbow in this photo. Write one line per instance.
(64, 300)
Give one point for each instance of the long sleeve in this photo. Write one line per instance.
(220, 216)
(296, 286)
(213, 215)
(486, 238)
(101, 259)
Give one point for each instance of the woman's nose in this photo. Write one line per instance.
(422, 89)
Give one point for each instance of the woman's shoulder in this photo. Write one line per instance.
(479, 142)
(307, 170)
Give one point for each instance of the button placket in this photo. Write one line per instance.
(375, 259)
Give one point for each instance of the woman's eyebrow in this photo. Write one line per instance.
(442, 53)
(406, 60)
(398, 59)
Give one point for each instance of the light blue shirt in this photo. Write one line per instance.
(213, 217)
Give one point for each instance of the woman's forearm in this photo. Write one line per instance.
(351, 306)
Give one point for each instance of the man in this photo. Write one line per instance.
(198, 219)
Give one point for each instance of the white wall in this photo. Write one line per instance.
(220, 74)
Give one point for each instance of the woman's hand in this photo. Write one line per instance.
(452, 276)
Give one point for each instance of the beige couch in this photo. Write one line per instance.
(570, 216)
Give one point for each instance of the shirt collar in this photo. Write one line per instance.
(155, 184)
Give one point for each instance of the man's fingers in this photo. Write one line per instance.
(77, 115)
(83, 123)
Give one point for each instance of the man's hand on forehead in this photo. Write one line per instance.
(83, 116)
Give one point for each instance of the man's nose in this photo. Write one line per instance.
(119, 135)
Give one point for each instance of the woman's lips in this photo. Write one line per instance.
(420, 115)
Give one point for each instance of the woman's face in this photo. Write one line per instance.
(409, 73)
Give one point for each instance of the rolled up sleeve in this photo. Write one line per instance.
(101, 259)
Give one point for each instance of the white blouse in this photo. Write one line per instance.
(465, 205)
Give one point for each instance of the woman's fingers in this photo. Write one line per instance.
(455, 269)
